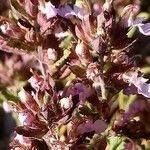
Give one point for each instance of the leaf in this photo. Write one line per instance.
(116, 143)
(8, 95)
(19, 11)
(87, 109)
(125, 101)
(66, 46)
(78, 71)
(30, 132)
(145, 70)
(66, 43)
(16, 46)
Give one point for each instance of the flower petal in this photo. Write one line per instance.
(144, 29)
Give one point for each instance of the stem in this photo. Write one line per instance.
(42, 68)
(41, 64)
(102, 86)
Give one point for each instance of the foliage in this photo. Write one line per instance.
(84, 90)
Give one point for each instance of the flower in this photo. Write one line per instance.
(98, 126)
(64, 11)
(84, 91)
(128, 14)
(143, 28)
(48, 9)
(139, 82)
(67, 12)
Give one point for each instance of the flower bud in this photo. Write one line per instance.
(52, 54)
(4, 28)
(83, 53)
(66, 102)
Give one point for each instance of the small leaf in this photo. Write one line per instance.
(78, 71)
(30, 132)
(125, 101)
(116, 143)
(9, 96)
(18, 10)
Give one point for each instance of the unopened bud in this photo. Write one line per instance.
(66, 103)
(83, 53)
(80, 48)
(52, 54)
(4, 28)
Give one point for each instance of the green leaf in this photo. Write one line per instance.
(87, 109)
(66, 43)
(145, 70)
(116, 143)
(66, 46)
(125, 101)
(6, 95)
(131, 32)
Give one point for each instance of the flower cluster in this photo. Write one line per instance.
(73, 95)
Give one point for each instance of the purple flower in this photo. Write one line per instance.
(138, 22)
(65, 11)
(139, 82)
(98, 126)
(84, 91)
(144, 28)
